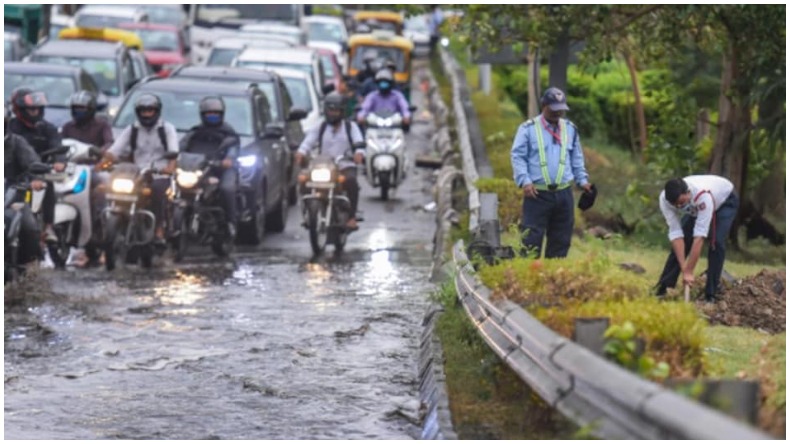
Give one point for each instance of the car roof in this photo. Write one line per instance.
(147, 25)
(241, 42)
(41, 68)
(85, 48)
(324, 19)
(110, 10)
(290, 73)
(176, 84)
(216, 72)
(285, 55)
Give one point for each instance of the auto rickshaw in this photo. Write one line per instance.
(380, 20)
(389, 48)
(128, 38)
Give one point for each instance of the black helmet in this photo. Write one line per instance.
(212, 111)
(148, 102)
(28, 105)
(384, 80)
(333, 107)
(83, 106)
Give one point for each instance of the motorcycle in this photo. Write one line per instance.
(74, 223)
(17, 198)
(325, 207)
(197, 212)
(385, 162)
(129, 228)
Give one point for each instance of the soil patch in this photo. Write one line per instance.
(757, 302)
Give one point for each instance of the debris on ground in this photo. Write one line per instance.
(757, 302)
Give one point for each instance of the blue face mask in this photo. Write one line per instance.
(213, 119)
(385, 85)
(79, 114)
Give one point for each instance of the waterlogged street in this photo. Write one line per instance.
(272, 344)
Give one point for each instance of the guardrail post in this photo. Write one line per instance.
(485, 238)
(589, 333)
(739, 399)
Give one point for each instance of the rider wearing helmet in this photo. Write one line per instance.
(84, 125)
(28, 122)
(217, 140)
(145, 143)
(385, 99)
(335, 137)
(368, 71)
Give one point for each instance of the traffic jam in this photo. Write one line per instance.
(214, 226)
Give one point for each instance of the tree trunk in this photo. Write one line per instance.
(639, 107)
(532, 84)
(558, 63)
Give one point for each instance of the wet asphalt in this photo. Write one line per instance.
(271, 344)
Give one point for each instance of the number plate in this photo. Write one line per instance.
(322, 185)
(122, 197)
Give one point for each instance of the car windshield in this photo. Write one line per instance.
(383, 54)
(157, 40)
(103, 71)
(325, 32)
(100, 21)
(8, 50)
(299, 91)
(222, 57)
(328, 66)
(58, 89)
(308, 69)
(213, 13)
(165, 14)
(181, 109)
(417, 24)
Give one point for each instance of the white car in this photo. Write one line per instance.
(416, 29)
(292, 32)
(302, 59)
(303, 95)
(226, 49)
(328, 33)
(108, 16)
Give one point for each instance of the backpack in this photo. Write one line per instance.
(323, 129)
(133, 137)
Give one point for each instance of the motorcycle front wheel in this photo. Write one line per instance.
(318, 229)
(114, 241)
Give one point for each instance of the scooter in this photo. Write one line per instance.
(385, 158)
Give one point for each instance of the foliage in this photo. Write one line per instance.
(622, 347)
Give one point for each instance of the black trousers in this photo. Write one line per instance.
(228, 188)
(351, 187)
(29, 235)
(550, 214)
(48, 204)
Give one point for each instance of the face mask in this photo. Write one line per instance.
(79, 114)
(213, 119)
(385, 85)
(686, 208)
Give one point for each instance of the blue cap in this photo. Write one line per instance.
(555, 99)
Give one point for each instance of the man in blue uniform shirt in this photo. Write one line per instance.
(546, 157)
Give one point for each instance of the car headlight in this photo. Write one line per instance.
(125, 186)
(112, 111)
(320, 175)
(187, 179)
(248, 161)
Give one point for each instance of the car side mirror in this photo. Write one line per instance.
(273, 131)
(296, 114)
(39, 168)
(328, 88)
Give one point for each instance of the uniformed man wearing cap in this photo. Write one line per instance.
(547, 157)
(695, 208)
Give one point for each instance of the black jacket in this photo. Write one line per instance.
(216, 143)
(18, 157)
(43, 137)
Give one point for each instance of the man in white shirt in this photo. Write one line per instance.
(696, 207)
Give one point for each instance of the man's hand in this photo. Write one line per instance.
(530, 192)
(361, 120)
(227, 163)
(37, 185)
(170, 168)
(587, 187)
(59, 166)
(359, 158)
(688, 278)
(407, 120)
(299, 158)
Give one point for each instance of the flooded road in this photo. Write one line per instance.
(272, 344)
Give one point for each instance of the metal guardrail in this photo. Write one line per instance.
(613, 402)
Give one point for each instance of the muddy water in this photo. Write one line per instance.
(273, 344)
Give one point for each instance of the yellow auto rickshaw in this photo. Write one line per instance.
(390, 49)
(128, 38)
(380, 20)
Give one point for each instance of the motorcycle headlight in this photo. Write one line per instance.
(187, 179)
(125, 186)
(112, 111)
(248, 161)
(397, 143)
(320, 175)
(373, 145)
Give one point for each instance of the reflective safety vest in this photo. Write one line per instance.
(544, 169)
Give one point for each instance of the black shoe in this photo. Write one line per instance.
(711, 299)
(660, 290)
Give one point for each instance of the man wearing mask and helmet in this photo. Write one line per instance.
(84, 125)
(145, 142)
(369, 71)
(28, 122)
(19, 155)
(336, 136)
(385, 99)
(217, 140)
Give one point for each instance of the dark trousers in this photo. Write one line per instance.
(159, 199)
(228, 187)
(351, 187)
(48, 204)
(434, 42)
(722, 221)
(550, 214)
(29, 235)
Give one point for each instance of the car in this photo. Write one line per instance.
(114, 67)
(281, 106)
(226, 49)
(173, 15)
(333, 73)
(57, 82)
(303, 94)
(163, 45)
(324, 32)
(263, 159)
(416, 29)
(15, 48)
(108, 16)
(293, 33)
(303, 59)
